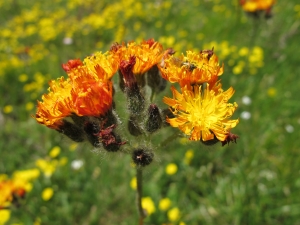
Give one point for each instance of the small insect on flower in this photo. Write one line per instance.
(189, 65)
(208, 52)
(230, 138)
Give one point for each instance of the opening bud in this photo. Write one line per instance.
(135, 98)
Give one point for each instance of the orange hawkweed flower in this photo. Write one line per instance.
(202, 113)
(56, 105)
(194, 68)
(83, 94)
(92, 98)
(148, 53)
(257, 5)
(104, 65)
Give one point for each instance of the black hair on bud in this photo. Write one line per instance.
(142, 157)
(72, 131)
(154, 120)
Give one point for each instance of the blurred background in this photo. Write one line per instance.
(256, 181)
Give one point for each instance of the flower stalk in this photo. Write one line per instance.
(139, 194)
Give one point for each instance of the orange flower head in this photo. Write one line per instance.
(56, 105)
(257, 5)
(104, 66)
(201, 113)
(91, 97)
(148, 53)
(192, 69)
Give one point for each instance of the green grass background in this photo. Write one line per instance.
(255, 181)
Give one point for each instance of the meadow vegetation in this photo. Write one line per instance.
(256, 181)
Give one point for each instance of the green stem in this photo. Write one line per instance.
(169, 139)
(139, 178)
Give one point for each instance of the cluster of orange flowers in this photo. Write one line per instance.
(82, 106)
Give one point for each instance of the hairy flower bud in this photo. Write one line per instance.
(142, 157)
(154, 120)
(155, 81)
(133, 126)
(71, 130)
(135, 98)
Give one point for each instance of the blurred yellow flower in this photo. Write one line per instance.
(47, 167)
(73, 146)
(174, 214)
(4, 216)
(164, 204)
(171, 168)
(37, 221)
(8, 109)
(47, 194)
(29, 106)
(244, 51)
(148, 205)
(189, 155)
(63, 161)
(238, 69)
(272, 92)
(54, 152)
(27, 175)
(23, 77)
(133, 183)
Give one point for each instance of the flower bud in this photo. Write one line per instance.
(134, 96)
(133, 126)
(142, 157)
(155, 80)
(154, 120)
(92, 129)
(109, 139)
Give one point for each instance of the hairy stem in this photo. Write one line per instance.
(139, 178)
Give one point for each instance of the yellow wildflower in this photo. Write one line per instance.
(148, 205)
(133, 183)
(164, 204)
(47, 194)
(54, 152)
(171, 168)
(4, 216)
(174, 214)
